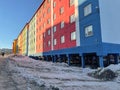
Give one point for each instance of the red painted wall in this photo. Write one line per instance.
(41, 20)
(68, 27)
(42, 43)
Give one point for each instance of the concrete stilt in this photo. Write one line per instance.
(59, 58)
(101, 63)
(80, 60)
(46, 58)
(68, 56)
(116, 59)
(53, 59)
(83, 61)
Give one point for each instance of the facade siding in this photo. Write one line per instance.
(14, 46)
(32, 36)
(91, 19)
(68, 27)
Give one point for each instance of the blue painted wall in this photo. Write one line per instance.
(92, 19)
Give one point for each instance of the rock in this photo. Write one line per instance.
(103, 74)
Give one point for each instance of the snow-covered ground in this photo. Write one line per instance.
(60, 75)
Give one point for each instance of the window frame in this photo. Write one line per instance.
(54, 4)
(72, 2)
(54, 16)
(72, 18)
(73, 35)
(87, 30)
(54, 29)
(62, 25)
(49, 43)
(48, 31)
(87, 9)
(61, 10)
(55, 42)
(62, 39)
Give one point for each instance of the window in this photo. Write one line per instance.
(62, 39)
(54, 4)
(40, 19)
(48, 21)
(61, 10)
(54, 28)
(62, 24)
(73, 35)
(55, 41)
(48, 1)
(48, 43)
(87, 9)
(49, 32)
(44, 5)
(72, 18)
(88, 31)
(54, 16)
(71, 2)
(39, 11)
(44, 25)
(48, 10)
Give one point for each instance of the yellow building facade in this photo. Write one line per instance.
(24, 39)
(14, 46)
(32, 36)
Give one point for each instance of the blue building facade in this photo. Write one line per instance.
(95, 31)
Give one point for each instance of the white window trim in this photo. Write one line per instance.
(89, 31)
(54, 16)
(48, 21)
(55, 42)
(54, 28)
(87, 9)
(54, 4)
(72, 2)
(61, 10)
(62, 39)
(73, 35)
(49, 43)
(72, 18)
(48, 10)
(49, 32)
(62, 24)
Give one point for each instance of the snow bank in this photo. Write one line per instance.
(113, 67)
(61, 76)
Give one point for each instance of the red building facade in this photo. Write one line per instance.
(55, 24)
(62, 25)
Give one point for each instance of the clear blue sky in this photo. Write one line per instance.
(14, 14)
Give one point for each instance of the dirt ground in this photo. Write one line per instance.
(10, 80)
(6, 78)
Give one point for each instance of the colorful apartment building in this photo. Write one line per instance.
(14, 46)
(24, 40)
(19, 43)
(32, 36)
(82, 31)
(41, 25)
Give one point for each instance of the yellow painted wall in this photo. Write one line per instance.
(32, 36)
